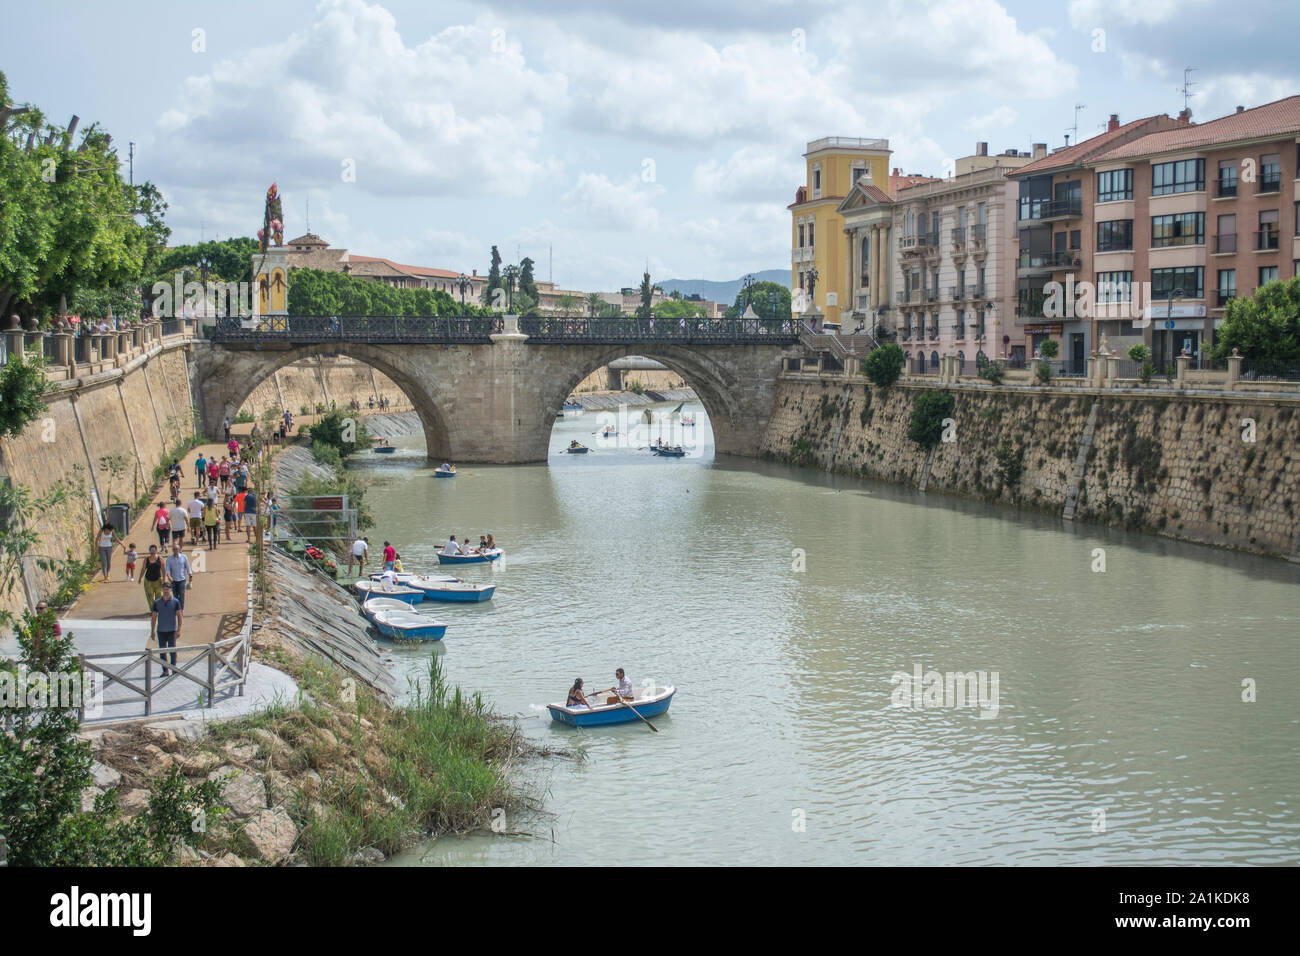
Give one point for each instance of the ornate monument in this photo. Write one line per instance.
(271, 265)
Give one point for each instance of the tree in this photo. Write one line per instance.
(493, 280)
(594, 303)
(760, 296)
(883, 365)
(928, 413)
(567, 304)
(22, 387)
(678, 309)
(316, 292)
(1049, 349)
(647, 298)
(527, 284)
(18, 539)
(1264, 329)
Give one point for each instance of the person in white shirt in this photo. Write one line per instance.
(180, 519)
(623, 688)
(196, 518)
(388, 580)
(358, 553)
(452, 547)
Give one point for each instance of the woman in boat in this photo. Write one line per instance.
(576, 697)
(491, 542)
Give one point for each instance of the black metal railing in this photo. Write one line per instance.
(577, 330)
(1225, 189)
(1223, 295)
(356, 328)
(1062, 208)
(1270, 184)
(959, 236)
(977, 233)
(1266, 239)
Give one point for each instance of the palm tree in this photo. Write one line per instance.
(567, 304)
(594, 303)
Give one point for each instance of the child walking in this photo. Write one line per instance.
(130, 561)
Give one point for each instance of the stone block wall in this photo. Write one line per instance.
(1175, 465)
(309, 382)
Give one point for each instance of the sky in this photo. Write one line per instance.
(599, 136)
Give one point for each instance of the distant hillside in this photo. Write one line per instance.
(722, 291)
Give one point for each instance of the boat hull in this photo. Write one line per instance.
(438, 473)
(468, 558)
(606, 715)
(369, 589)
(471, 595)
(385, 449)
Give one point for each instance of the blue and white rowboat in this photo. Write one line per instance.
(411, 580)
(444, 473)
(461, 591)
(402, 623)
(650, 703)
(491, 555)
(369, 589)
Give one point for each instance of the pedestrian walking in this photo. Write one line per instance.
(250, 514)
(180, 519)
(211, 518)
(225, 425)
(151, 576)
(107, 541)
(358, 553)
(178, 574)
(166, 615)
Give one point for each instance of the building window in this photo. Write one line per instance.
(1190, 279)
(1226, 238)
(858, 173)
(1227, 177)
(817, 182)
(1179, 229)
(1115, 184)
(1115, 235)
(1076, 239)
(1227, 280)
(1115, 286)
(1184, 176)
(1267, 274)
(934, 360)
(961, 324)
(801, 237)
(1270, 173)
(812, 238)
(1268, 223)
(866, 260)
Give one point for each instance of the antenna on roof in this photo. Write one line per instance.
(308, 217)
(1075, 128)
(1186, 88)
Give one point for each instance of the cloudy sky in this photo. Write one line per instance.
(614, 133)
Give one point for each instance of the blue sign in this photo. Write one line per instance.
(1169, 323)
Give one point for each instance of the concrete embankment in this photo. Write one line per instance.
(596, 401)
(1214, 468)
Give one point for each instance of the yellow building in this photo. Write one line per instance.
(817, 240)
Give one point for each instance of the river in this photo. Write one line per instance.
(1116, 731)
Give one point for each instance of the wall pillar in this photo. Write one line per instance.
(1234, 369)
(1183, 362)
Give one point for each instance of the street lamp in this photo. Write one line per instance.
(747, 285)
(204, 265)
(511, 273)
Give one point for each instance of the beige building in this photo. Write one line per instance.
(310, 251)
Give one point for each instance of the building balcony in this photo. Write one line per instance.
(976, 292)
(802, 254)
(956, 293)
(908, 298)
(1223, 295)
(922, 242)
(1266, 240)
(959, 236)
(1225, 190)
(1058, 209)
(1031, 306)
(1048, 262)
(1270, 184)
(1225, 243)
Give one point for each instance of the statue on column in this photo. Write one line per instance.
(272, 221)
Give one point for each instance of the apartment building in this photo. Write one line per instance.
(1059, 237)
(948, 250)
(833, 164)
(1204, 213)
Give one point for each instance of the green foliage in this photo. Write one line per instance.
(494, 279)
(1265, 329)
(1049, 349)
(884, 365)
(1139, 352)
(678, 309)
(69, 219)
(527, 283)
(44, 767)
(1042, 372)
(22, 385)
(635, 387)
(925, 427)
(316, 292)
(993, 373)
(17, 539)
(343, 432)
(1010, 460)
(231, 260)
(644, 310)
(1147, 372)
(760, 294)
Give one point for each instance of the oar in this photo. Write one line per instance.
(637, 712)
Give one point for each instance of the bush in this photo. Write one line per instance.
(884, 365)
(1139, 352)
(21, 386)
(1043, 372)
(928, 413)
(1049, 349)
(993, 373)
(1010, 462)
(345, 433)
(1148, 370)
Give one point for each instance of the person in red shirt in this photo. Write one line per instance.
(390, 556)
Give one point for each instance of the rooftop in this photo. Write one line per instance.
(847, 142)
(1083, 151)
(1279, 118)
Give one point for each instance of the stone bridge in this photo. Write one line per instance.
(489, 390)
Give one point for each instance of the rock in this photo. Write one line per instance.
(114, 739)
(226, 859)
(271, 741)
(156, 759)
(368, 856)
(133, 802)
(188, 729)
(188, 856)
(105, 777)
(201, 762)
(272, 835)
(311, 782)
(160, 737)
(241, 752)
(225, 770)
(327, 737)
(88, 795)
(246, 794)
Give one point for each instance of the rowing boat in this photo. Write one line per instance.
(651, 702)
(444, 472)
(455, 591)
(482, 558)
(394, 619)
(369, 589)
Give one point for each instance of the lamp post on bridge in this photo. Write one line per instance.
(463, 283)
(510, 274)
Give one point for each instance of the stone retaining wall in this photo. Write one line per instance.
(305, 384)
(1182, 465)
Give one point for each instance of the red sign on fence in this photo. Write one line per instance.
(330, 503)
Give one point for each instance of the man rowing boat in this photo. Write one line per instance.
(623, 688)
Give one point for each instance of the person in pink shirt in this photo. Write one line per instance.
(233, 445)
(390, 556)
(213, 471)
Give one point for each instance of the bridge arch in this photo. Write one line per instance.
(228, 377)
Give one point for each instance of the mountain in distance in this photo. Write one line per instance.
(724, 292)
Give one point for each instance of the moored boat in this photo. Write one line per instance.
(456, 591)
(482, 558)
(407, 595)
(401, 623)
(650, 703)
(571, 407)
(410, 580)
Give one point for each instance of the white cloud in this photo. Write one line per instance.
(440, 117)
(616, 206)
(750, 172)
(1089, 14)
(999, 118)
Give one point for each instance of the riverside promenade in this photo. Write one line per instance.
(114, 617)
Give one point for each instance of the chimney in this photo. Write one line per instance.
(1185, 116)
(981, 149)
(898, 170)
(1241, 109)
(1040, 150)
(1113, 124)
